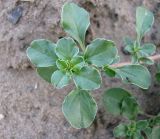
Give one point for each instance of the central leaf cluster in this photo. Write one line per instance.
(70, 60)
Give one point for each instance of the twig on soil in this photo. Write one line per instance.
(155, 57)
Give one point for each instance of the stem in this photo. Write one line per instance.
(154, 58)
(148, 115)
(82, 47)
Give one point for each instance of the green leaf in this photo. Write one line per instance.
(60, 79)
(66, 49)
(128, 41)
(46, 72)
(155, 133)
(144, 21)
(130, 108)
(88, 78)
(135, 74)
(100, 52)
(77, 62)
(116, 60)
(148, 132)
(142, 124)
(109, 71)
(41, 53)
(112, 99)
(146, 60)
(154, 121)
(134, 58)
(148, 49)
(120, 131)
(158, 76)
(129, 48)
(61, 64)
(129, 44)
(75, 21)
(79, 108)
(138, 135)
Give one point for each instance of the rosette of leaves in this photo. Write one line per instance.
(141, 51)
(70, 60)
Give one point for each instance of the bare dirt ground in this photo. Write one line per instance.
(32, 107)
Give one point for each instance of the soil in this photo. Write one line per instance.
(30, 106)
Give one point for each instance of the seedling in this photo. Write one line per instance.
(70, 60)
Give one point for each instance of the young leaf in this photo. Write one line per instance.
(66, 49)
(88, 78)
(129, 45)
(61, 64)
(60, 79)
(155, 133)
(120, 131)
(128, 41)
(135, 74)
(148, 49)
(41, 53)
(46, 72)
(112, 99)
(77, 62)
(130, 108)
(75, 21)
(79, 108)
(144, 21)
(146, 60)
(109, 71)
(100, 52)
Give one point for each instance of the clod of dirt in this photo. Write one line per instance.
(15, 15)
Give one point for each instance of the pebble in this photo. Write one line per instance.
(15, 15)
(1, 116)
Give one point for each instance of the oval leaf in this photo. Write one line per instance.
(146, 60)
(41, 53)
(66, 48)
(46, 72)
(75, 21)
(135, 74)
(60, 79)
(130, 108)
(155, 133)
(100, 52)
(112, 99)
(88, 78)
(148, 49)
(120, 131)
(79, 109)
(144, 21)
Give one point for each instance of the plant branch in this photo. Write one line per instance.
(154, 58)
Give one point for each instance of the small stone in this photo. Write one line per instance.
(1, 116)
(15, 15)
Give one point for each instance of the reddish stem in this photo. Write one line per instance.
(155, 57)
